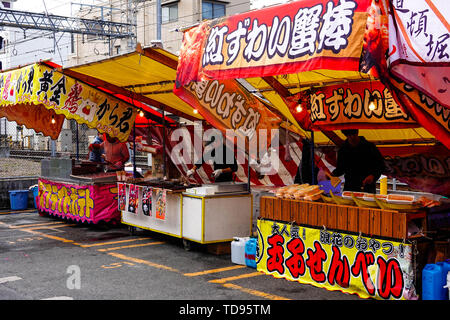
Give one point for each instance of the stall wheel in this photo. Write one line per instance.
(132, 230)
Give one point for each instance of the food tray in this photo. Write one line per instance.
(341, 200)
(364, 203)
(411, 207)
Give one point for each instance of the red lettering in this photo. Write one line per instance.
(295, 263)
(339, 270)
(360, 267)
(315, 262)
(390, 278)
(275, 253)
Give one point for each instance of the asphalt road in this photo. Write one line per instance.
(50, 258)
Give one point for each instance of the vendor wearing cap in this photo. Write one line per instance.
(360, 162)
(223, 171)
(116, 152)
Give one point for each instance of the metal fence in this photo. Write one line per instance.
(16, 141)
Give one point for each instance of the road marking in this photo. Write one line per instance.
(15, 212)
(35, 225)
(242, 276)
(59, 298)
(141, 261)
(194, 274)
(112, 242)
(51, 227)
(9, 279)
(131, 246)
(254, 292)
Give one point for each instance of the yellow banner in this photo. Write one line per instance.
(39, 84)
(368, 267)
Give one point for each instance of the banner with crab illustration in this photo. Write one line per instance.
(41, 86)
(368, 267)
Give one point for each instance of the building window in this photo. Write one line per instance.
(169, 12)
(212, 10)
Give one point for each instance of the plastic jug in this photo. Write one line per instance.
(238, 250)
(432, 284)
(250, 253)
(446, 278)
(447, 286)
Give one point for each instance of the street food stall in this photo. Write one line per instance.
(165, 200)
(322, 66)
(40, 97)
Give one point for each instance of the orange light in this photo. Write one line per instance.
(141, 114)
(299, 108)
(53, 120)
(195, 111)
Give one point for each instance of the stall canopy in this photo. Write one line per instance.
(40, 97)
(145, 76)
(322, 65)
(289, 53)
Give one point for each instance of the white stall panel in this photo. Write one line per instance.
(227, 217)
(192, 218)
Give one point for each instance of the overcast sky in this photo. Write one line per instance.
(58, 7)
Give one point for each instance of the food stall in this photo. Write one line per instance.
(164, 200)
(40, 97)
(373, 246)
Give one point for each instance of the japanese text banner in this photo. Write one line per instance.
(368, 267)
(419, 46)
(90, 203)
(40, 85)
(346, 106)
(289, 38)
(226, 105)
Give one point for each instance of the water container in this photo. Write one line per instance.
(447, 286)
(18, 199)
(238, 250)
(250, 253)
(35, 190)
(445, 270)
(432, 284)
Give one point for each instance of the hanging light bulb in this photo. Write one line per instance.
(141, 113)
(53, 120)
(195, 111)
(299, 106)
(372, 105)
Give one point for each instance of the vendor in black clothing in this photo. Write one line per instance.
(360, 162)
(223, 171)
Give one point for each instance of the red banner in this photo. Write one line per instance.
(289, 38)
(347, 106)
(428, 113)
(227, 105)
(422, 168)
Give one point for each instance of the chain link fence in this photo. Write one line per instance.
(18, 142)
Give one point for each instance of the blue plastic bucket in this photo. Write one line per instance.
(18, 199)
(250, 253)
(35, 194)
